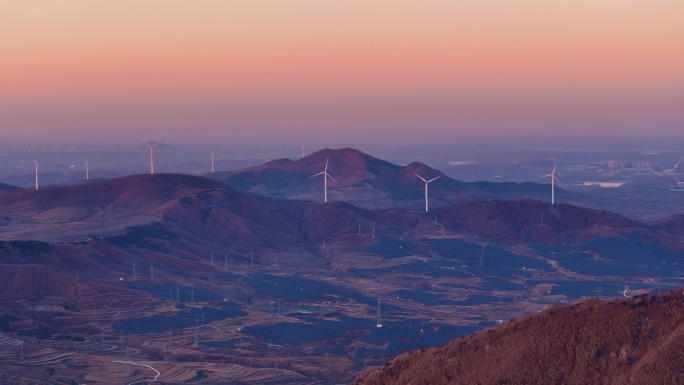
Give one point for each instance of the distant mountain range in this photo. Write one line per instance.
(205, 206)
(185, 216)
(47, 178)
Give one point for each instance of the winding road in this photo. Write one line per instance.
(147, 366)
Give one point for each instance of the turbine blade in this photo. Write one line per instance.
(328, 175)
(320, 173)
(145, 144)
(326, 164)
(434, 179)
(554, 168)
(559, 182)
(421, 178)
(544, 176)
(159, 142)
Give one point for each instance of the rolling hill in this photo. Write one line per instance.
(530, 221)
(674, 224)
(69, 212)
(366, 181)
(206, 208)
(192, 205)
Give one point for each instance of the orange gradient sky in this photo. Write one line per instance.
(345, 69)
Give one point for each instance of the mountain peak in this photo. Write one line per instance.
(339, 155)
(422, 169)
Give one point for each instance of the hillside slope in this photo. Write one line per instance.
(637, 340)
(284, 176)
(533, 221)
(674, 224)
(59, 213)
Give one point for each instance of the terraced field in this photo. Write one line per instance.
(281, 322)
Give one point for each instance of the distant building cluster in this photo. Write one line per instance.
(624, 165)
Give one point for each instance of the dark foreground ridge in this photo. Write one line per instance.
(636, 340)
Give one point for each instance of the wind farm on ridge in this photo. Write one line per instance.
(353, 275)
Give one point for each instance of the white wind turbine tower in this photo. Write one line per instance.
(303, 145)
(325, 180)
(426, 188)
(36, 162)
(152, 153)
(379, 321)
(212, 162)
(87, 171)
(553, 185)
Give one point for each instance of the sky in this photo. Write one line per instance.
(381, 71)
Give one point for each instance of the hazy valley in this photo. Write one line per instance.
(206, 283)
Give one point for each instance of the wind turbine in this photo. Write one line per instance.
(36, 162)
(379, 322)
(212, 162)
(553, 180)
(325, 179)
(152, 153)
(426, 188)
(87, 171)
(303, 150)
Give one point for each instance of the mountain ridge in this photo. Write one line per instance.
(360, 178)
(148, 198)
